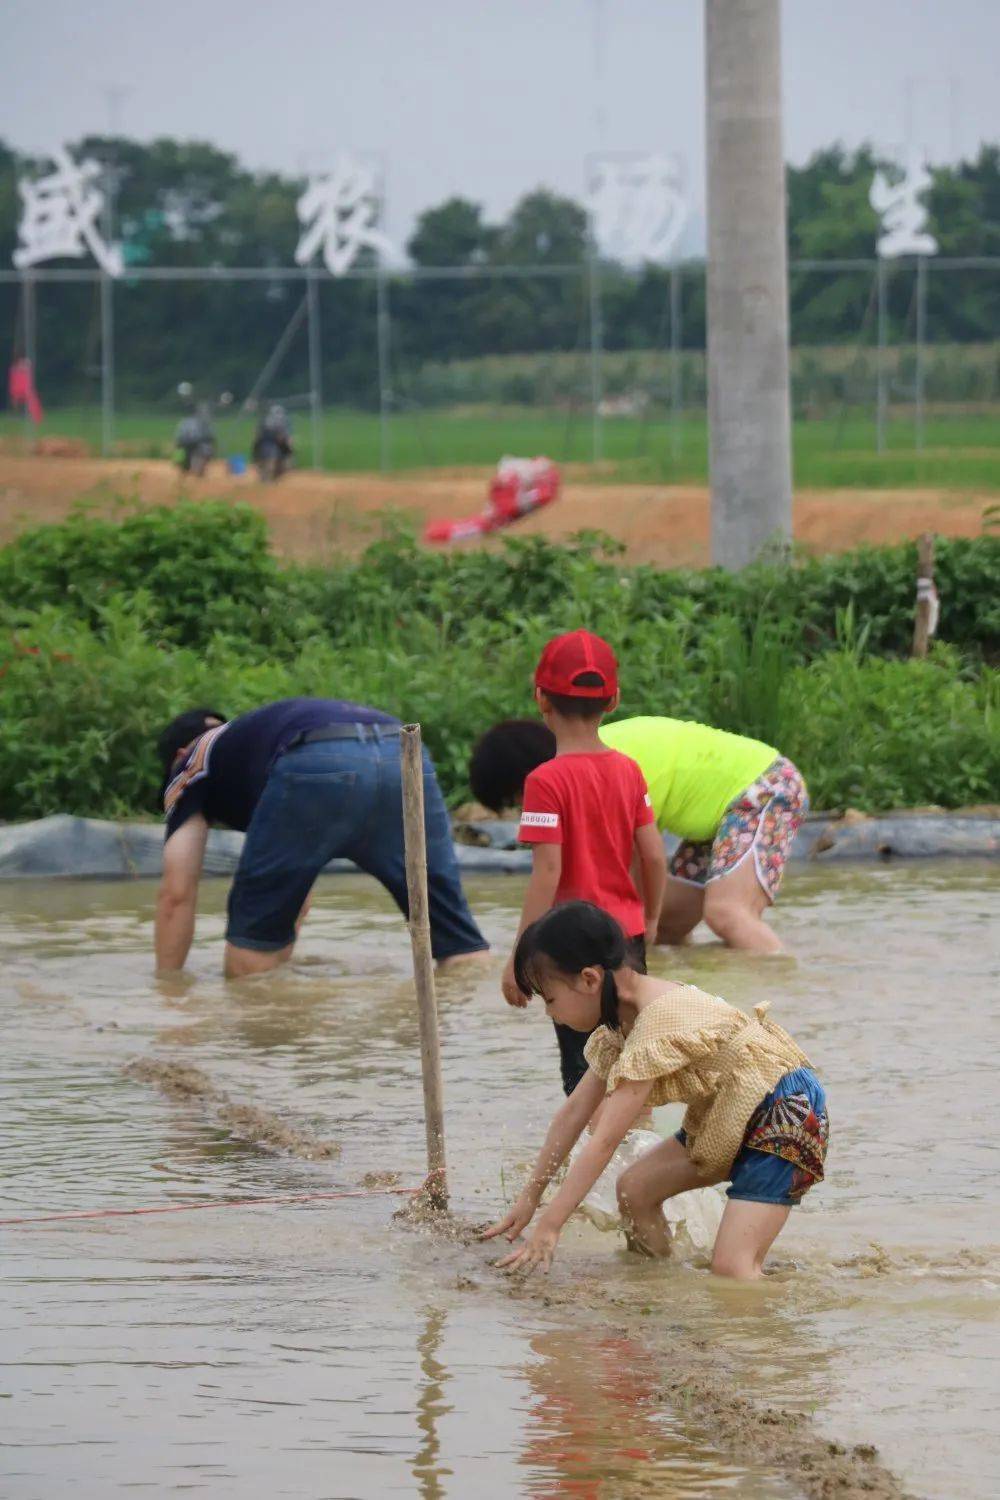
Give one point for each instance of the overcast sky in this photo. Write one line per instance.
(485, 99)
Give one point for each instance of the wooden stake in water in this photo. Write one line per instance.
(423, 962)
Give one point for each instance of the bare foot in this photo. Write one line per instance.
(459, 960)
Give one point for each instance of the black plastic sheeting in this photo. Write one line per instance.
(84, 848)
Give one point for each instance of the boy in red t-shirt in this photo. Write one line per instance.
(585, 813)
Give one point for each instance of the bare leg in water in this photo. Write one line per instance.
(745, 1235)
(643, 1189)
(734, 909)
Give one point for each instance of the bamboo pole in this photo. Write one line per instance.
(423, 963)
(926, 617)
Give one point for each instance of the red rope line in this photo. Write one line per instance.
(182, 1208)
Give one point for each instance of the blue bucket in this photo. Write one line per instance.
(237, 463)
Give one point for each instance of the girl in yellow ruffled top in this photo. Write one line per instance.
(756, 1112)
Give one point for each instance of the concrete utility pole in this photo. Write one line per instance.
(748, 404)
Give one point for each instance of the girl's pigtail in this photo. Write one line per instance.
(609, 1002)
(569, 937)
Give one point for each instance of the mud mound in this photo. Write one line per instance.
(960, 1265)
(60, 447)
(176, 1080)
(783, 1440)
(702, 1386)
(258, 1127)
(380, 1179)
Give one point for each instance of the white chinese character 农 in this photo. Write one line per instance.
(904, 217)
(341, 210)
(637, 208)
(60, 214)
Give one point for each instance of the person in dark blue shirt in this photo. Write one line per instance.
(308, 780)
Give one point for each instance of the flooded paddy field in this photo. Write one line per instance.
(323, 1349)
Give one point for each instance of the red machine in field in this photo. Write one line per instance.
(520, 486)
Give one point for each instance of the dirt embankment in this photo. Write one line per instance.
(315, 516)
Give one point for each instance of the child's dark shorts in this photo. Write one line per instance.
(784, 1147)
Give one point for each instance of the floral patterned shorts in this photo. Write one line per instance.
(761, 820)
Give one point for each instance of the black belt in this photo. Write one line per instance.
(346, 732)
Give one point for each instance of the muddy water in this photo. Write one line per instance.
(321, 1350)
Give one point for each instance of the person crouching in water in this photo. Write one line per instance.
(756, 1111)
(735, 804)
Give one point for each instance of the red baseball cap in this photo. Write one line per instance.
(567, 657)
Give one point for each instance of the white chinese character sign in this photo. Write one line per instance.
(59, 216)
(903, 215)
(637, 207)
(340, 212)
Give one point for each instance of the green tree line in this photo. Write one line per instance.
(189, 204)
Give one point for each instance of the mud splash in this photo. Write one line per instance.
(257, 1127)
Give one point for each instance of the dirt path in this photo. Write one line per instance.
(314, 516)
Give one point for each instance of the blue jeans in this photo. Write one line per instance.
(342, 798)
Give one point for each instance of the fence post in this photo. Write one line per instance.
(676, 394)
(596, 354)
(918, 413)
(415, 840)
(315, 368)
(107, 364)
(880, 394)
(926, 617)
(384, 378)
(30, 338)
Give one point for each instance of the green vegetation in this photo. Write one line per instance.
(961, 452)
(116, 626)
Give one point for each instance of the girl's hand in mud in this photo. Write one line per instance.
(508, 986)
(520, 1215)
(538, 1251)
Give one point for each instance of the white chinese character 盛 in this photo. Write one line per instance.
(904, 217)
(341, 211)
(60, 214)
(637, 207)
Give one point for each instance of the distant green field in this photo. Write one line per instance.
(961, 451)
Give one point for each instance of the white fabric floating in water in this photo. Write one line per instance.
(693, 1217)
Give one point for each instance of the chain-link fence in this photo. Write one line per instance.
(589, 364)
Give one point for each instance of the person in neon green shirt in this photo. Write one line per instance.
(735, 804)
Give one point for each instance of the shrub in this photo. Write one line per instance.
(207, 571)
(880, 734)
(106, 630)
(205, 568)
